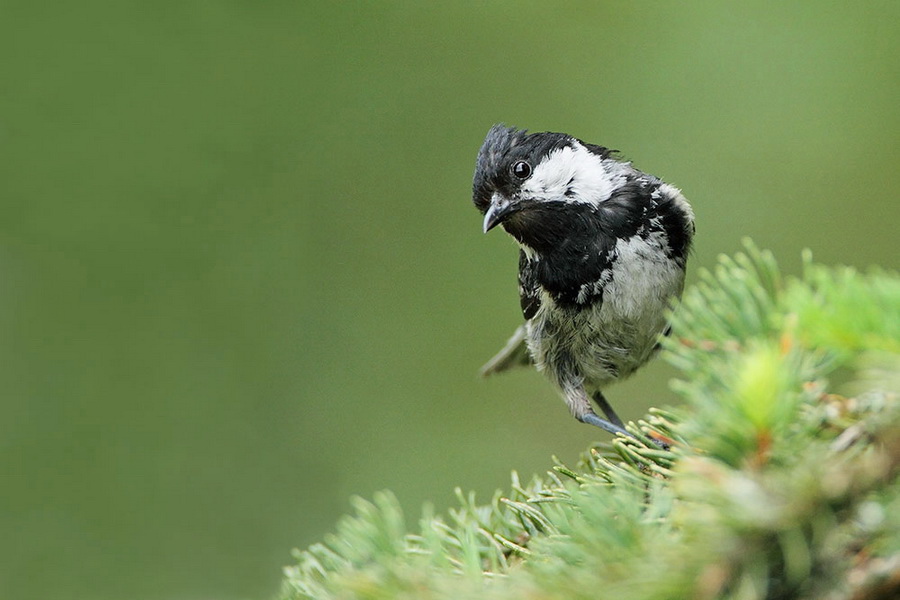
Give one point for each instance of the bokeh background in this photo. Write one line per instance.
(241, 278)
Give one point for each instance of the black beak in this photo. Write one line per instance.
(500, 208)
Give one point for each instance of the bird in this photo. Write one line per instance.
(603, 249)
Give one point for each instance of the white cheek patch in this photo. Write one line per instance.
(574, 174)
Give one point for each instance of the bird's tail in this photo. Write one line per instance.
(514, 354)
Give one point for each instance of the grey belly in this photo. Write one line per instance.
(590, 346)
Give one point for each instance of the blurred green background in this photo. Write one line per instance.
(241, 278)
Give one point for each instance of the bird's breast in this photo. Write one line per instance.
(610, 338)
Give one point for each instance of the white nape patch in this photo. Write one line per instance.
(576, 174)
(679, 199)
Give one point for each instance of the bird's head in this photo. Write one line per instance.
(528, 181)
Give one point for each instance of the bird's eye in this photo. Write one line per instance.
(521, 169)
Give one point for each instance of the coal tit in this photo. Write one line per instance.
(602, 253)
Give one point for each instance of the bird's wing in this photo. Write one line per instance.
(514, 354)
(529, 290)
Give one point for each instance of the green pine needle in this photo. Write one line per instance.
(775, 485)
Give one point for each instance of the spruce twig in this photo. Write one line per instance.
(775, 484)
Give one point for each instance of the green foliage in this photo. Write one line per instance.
(775, 485)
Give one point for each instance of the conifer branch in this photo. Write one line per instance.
(776, 484)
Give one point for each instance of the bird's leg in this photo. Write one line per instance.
(591, 418)
(607, 409)
(580, 405)
(600, 400)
